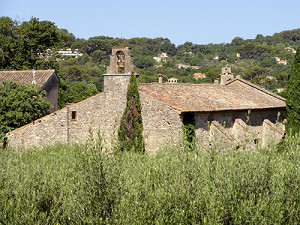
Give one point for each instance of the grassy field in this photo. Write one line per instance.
(79, 184)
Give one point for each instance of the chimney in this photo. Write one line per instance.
(33, 77)
(160, 78)
(226, 75)
(216, 82)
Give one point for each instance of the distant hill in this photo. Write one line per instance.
(264, 60)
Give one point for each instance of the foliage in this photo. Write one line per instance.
(19, 105)
(253, 50)
(188, 130)
(253, 72)
(77, 81)
(287, 36)
(71, 92)
(143, 61)
(130, 133)
(34, 43)
(66, 38)
(79, 184)
(22, 45)
(98, 56)
(293, 96)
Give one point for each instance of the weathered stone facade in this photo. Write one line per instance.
(119, 70)
(240, 126)
(51, 88)
(220, 113)
(74, 123)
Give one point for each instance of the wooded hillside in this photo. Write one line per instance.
(264, 60)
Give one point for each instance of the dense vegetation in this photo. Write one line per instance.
(79, 184)
(34, 44)
(293, 96)
(130, 133)
(19, 105)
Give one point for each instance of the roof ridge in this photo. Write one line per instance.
(14, 71)
(179, 84)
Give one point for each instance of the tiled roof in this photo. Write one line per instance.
(199, 75)
(256, 87)
(209, 97)
(26, 76)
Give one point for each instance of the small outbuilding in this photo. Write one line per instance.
(45, 80)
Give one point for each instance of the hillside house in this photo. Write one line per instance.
(291, 50)
(189, 53)
(280, 61)
(179, 66)
(45, 80)
(220, 112)
(162, 57)
(284, 62)
(70, 53)
(277, 59)
(199, 76)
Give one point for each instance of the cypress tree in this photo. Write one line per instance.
(131, 127)
(293, 96)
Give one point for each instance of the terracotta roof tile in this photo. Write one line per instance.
(26, 76)
(199, 75)
(209, 97)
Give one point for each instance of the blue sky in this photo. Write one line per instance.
(201, 22)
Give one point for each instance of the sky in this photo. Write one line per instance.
(200, 22)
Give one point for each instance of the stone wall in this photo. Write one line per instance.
(271, 131)
(240, 126)
(102, 112)
(117, 82)
(51, 88)
(162, 124)
(219, 136)
(44, 131)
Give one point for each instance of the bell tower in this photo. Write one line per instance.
(119, 69)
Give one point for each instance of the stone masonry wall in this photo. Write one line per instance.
(43, 131)
(51, 87)
(238, 125)
(102, 113)
(162, 124)
(116, 80)
(271, 132)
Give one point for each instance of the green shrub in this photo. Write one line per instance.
(79, 184)
(130, 133)
(293, 96)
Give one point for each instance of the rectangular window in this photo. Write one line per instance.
(73, 115)
(188, 128)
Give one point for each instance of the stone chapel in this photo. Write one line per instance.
(231, 111)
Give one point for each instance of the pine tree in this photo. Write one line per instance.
(293, 96)
(131, 127)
